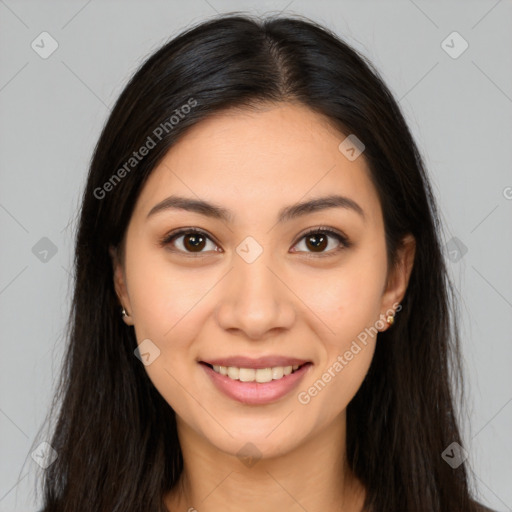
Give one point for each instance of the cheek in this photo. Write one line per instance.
(347, 298)
(351, 307)
(162, 296)
(168, 305)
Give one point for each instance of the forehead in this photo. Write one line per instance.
(275, 155)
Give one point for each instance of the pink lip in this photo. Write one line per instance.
(260, 362)
(256, 393)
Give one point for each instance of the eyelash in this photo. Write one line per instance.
(343, 239)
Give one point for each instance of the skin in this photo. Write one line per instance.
(286, 303)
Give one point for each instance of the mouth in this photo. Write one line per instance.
(254, 384)
(260, 375)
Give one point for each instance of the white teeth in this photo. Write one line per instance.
(277, 372)
(247, 374)
(233, 372)
(263, 375)
(255, 375)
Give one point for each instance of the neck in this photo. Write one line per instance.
(315, 476)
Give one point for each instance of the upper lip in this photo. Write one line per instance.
(260, 362)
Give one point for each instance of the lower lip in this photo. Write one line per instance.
(256, 393)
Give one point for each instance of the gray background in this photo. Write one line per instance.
(52, 111)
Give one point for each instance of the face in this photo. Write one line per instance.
(256, 282)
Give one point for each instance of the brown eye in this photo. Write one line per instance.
(319, 239)
(194, 242)
(189, 241)
(316, 242)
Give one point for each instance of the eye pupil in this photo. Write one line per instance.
(321, 245)
(194, 241)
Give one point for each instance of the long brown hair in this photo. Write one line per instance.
(115, 435)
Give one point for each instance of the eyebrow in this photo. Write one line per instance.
(285, 214)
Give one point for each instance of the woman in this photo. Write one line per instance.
(261, 317)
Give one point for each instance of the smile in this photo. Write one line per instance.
(255, 375)
(256, 386)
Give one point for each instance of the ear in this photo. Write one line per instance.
(120, 284)
(398, 280)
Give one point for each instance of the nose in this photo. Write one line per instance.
(255, 300)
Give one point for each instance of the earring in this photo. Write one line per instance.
(390, 319)
(126, 317)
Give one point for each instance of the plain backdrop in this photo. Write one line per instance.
(457, 101)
